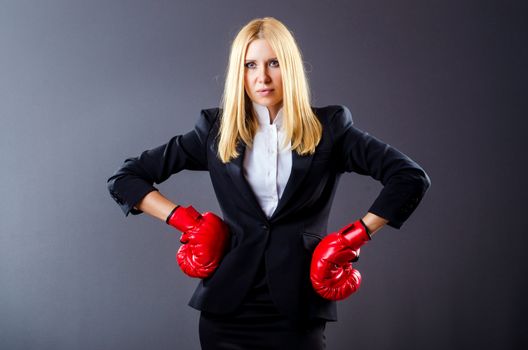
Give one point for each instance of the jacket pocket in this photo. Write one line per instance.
(233, 243)
(311, 240)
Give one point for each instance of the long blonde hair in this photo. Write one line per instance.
(238, 123)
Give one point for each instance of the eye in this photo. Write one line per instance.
(274, 63)
(250, 65)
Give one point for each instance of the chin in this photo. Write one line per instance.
(266, 102)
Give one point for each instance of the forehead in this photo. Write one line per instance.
(259, 49)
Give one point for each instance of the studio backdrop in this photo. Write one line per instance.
(86, 84)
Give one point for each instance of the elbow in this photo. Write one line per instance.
(111, 186)
(417, 181)
(425, 182)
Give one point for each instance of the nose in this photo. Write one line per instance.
(262, 75)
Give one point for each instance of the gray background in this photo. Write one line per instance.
(86, 84)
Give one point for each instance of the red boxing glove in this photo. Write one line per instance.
(331, 271)
(204, 237)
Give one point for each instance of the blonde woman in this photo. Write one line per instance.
(270, 274)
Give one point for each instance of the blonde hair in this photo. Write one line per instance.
(238, 123)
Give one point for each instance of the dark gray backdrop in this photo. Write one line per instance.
(86, 84)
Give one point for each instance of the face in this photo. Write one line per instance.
(262, 77)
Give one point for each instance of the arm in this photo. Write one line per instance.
(135, 179)
(204, 236)
(404, 181)
(374, 222)
(404, 184)
(156, 205)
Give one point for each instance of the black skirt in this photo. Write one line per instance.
(257, 324)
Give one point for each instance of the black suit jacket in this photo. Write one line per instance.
(287, 239)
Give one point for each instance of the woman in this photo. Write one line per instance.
(270, 272)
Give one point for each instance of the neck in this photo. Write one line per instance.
(272, 114)
(265, 114)
(273, 111)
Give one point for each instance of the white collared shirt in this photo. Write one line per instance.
(266, 166)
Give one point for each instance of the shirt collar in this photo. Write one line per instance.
(264, 117)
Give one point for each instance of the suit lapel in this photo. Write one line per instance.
(300, 166)
(235, 170)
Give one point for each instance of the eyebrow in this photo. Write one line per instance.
(252, 59)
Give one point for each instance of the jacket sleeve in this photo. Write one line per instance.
(136, 177)
(404, 181)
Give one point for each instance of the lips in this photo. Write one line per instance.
(265, 92)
